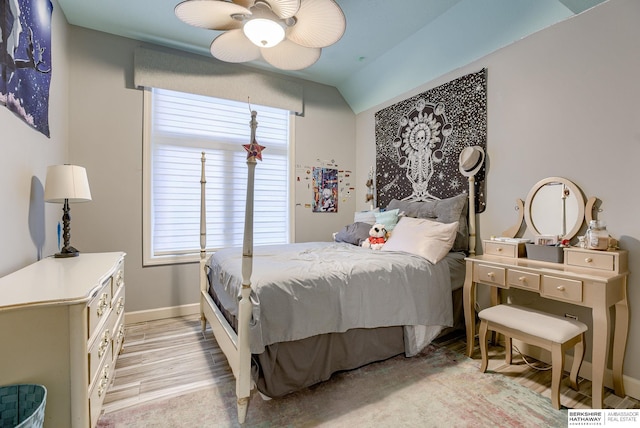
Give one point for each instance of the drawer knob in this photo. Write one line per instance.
(560, 288)
(491, 275)
(499, 249)
(522, 279)
(588, 260)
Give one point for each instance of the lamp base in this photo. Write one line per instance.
(67, 252)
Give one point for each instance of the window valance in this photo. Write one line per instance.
(197, 75)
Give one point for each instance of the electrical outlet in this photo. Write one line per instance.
(573, 317)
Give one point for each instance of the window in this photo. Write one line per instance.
(178, 128)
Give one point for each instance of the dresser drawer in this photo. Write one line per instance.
(99, 307)
(489, 275)
(591, 259)
(504, 249)
(562, 288)
(527, 280)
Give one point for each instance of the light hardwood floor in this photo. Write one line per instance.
(169, 357)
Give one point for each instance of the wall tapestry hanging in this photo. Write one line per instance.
(25, 60)
(419, 140)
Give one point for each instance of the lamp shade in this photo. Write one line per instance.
(66, 182)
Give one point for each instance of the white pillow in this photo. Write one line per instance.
(427, 238)
(365, 216)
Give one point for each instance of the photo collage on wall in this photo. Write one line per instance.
(25, 60)
(419, 140)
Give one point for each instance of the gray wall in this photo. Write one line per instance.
(105, 113)
(29, 224)
(561, 102)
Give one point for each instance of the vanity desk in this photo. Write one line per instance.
(588, 278)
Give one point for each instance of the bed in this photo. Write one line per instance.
(289, 316)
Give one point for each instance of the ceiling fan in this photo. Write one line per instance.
(288, 34)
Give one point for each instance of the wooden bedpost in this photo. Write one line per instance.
(203, 239)
(243, 381)
(472, 215)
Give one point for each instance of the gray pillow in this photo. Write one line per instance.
(354, 233)
(443, 211)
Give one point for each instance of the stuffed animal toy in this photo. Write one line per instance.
(377, 237)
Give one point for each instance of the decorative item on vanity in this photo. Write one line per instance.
(596, 237)
(469, 163)
(288, 34)
(64, 184)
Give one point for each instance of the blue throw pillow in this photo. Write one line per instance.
(389, 218)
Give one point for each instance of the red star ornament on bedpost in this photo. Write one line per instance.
(254, 150)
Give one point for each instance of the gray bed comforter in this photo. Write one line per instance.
(305, 289)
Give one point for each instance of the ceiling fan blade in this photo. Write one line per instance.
(233, 46)
(244, 3)
(211, 14)
(290, 56)
(320, 23)
(284, 8)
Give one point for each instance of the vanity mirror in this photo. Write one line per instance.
(554, 206)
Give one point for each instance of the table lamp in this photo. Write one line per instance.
(64, 184)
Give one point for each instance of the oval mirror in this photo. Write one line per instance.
(554, 206)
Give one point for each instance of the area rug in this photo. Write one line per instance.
(437, 388)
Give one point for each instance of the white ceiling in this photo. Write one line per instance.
(389, 47)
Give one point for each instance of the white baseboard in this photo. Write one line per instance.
(631, 385)
(161, 313)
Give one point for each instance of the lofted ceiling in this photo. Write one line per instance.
(389, 47)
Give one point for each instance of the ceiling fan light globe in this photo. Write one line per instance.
(264, 33)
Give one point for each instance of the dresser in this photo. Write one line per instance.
(593, 279)
(62, 326)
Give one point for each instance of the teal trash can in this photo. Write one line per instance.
(22, 406)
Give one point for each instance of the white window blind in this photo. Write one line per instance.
(182, 126)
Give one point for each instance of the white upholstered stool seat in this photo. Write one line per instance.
(551, 332)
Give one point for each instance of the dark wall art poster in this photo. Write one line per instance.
(419, 140)
(25, 60)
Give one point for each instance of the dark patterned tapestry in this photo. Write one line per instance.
(419, 140)
(25, 60)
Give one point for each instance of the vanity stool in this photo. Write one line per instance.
(551, 332)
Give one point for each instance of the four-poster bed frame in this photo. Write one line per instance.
(236, 346)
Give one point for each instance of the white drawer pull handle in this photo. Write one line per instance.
(588, 260)
(121, 333)
(522, 279)
(491, 275)
(104, 381)
(104, 344)
(103, 304)
(560, 288)
(120, 305)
